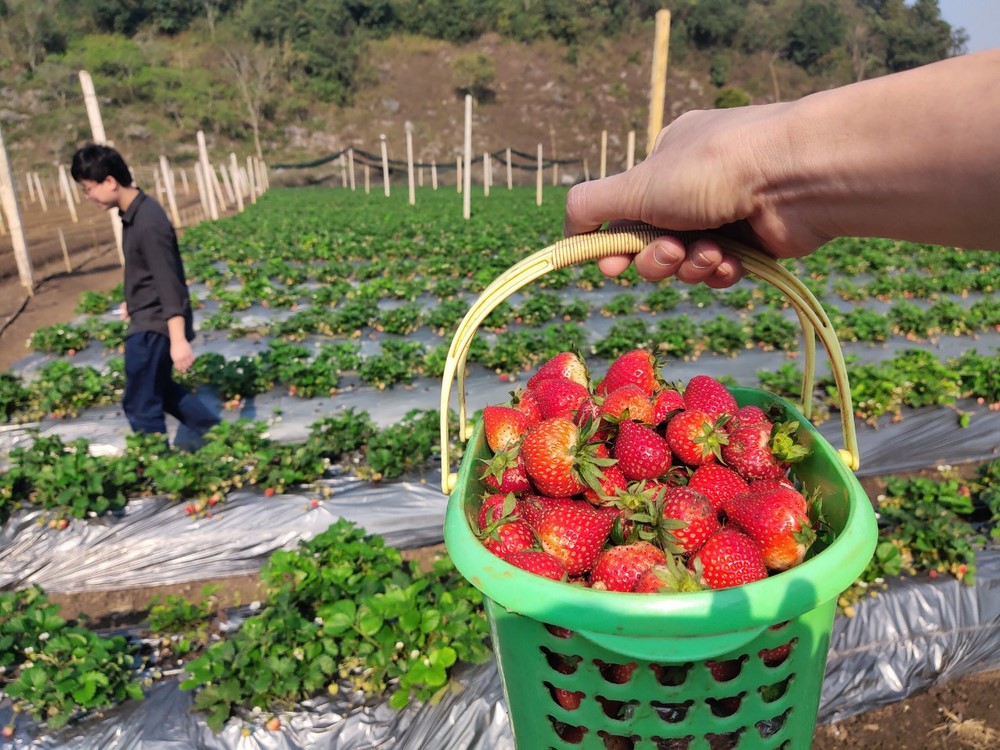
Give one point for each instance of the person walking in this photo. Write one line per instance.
(157, 305)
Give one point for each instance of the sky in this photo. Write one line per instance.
(979, 18)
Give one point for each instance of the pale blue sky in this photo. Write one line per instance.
(979, 18)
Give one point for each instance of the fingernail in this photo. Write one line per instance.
(699, 261)
(663, 256)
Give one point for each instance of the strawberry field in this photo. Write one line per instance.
(325, 318)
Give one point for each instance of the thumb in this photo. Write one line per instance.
(590, 204)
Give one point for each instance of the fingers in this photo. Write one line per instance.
(590, 204)
(702, 262)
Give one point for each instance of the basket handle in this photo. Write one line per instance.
(629, 240)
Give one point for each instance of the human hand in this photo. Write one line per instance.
(708, 170)
(182, 355)
(123, 312)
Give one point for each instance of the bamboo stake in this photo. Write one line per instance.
(368, 186)
(208, 201)
(630, 151)
(510, 174)
(202, 190)
(31, 187)
(68, 193)
(434, 175)
(467, 161)
(251, 180)
(217, 187)
(40, 192)
(343, 170)
(350, 167)
(234, 171)
(409, 162)
(227, 184)
(385, 164)
(604, 154)
(8, 199)
(169, 185)
(65, 250)
(486, 174)
(458, 175)
(658, 84)
(538, 180)
(97, 128)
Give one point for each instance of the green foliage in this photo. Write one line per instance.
(731, 96)
(342, 612)
(816, 29)
(474, 73)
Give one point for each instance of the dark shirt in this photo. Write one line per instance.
(155, 286)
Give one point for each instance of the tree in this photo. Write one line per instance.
(254, 69)
(916, 35)
(817, 28)
(30, 30)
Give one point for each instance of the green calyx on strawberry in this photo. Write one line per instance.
(763, 451)
(669, 577)
(696, 437)
(560, 458)
(504, 472)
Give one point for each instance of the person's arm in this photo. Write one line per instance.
(181, 352)
(159, 246)
(912, 156)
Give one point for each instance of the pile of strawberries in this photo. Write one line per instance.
(636, 485)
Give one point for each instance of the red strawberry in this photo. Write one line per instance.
(494, 508)
(669, 577)
(526, 401)
(533, 507)
(665, 401)
(570, 700)
(504, 426)
(775, 657)
(508, 537)
(627, 402)
(696, 513)
(574, 534)
(538, 562)
(642, 453)
(558, 458)
(696, 437)
(619, 674)
(567, 365)
(707, 394)
(777, 521)
(746, 415)
(718, 483)
(760, 451)
(559, 397)
(612, 484)
(618, 568)
(728, 558)
(637, 367)
(505, 473)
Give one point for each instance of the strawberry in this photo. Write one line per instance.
(504, 473)
(777, 521)
(612, 484)
(538, 562)
(707, 394)
(665, 402)
(559, 397)
(760, 451)
(627, 402)
(507, 537)
(527, 402)
(533, 507)
(747, 415)
(696, 437)
(618, 674)
(568, 699)
(574, 534)
(504, 426)
(558, 459)
(696, 513)
(568, 365)
(668, 577)
(496, 507)
(637, 367)
(642, 453)
(728, 558)
(775, 657)
(618, 568)
(718, 483)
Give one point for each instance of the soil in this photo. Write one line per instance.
(958, 715)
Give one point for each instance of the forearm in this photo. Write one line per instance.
(912, 156)
(175, 329)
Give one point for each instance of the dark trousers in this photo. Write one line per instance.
(150, 390)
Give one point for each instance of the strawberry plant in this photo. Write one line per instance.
(662, 299)
(58, 339)
(774, 331)
(13, 396)
(398, 362)
(619, 306)
(54, 671)
(625, 335)
(92, 303)
(344, 612)
(401, 320)
(111, 333)
(678, 336)
(394, 451)
(724, 335)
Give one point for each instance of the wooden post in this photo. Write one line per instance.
(368, 186)
(385, 164)
(658, 83)
(486, 174)
(202, 190)
(184, 182)
(31, 187)
(168, 183)
(604, 154)
(467, 161)
(251, 180)
(158, 187)
(8, 199)
(343, 169)
(586, 170)
(434, 174)
(65, 251)
(97, 128)
(64, 185)
(630, 155)
(350, 167)
(219, 195)
(510, 175)
(227, 185)
(458, 175)
(538, 180)
(265, 180)
(208, 201)
(40, 191)
(409, 162)
(234, 171)
(420, 176)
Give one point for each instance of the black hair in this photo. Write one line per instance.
(95, 162)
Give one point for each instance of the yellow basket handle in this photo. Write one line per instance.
(628, 241)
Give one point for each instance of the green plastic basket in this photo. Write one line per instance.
(646, 668)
